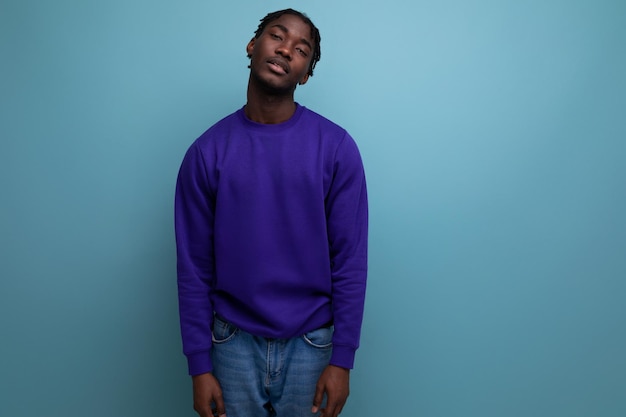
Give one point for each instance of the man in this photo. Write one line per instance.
(271, 232)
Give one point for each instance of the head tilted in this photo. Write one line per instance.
(315, 33)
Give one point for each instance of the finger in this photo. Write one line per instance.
(317, 399)
(329, 411)
(220, 410)
(204, 412)
(338, 409)
(333, 408)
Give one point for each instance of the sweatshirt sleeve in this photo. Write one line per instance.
(347, 221)
(194, 220)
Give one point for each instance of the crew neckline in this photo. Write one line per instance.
(269, 126)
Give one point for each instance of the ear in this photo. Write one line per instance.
(304, 79)
(250, 46)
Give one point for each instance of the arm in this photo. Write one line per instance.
(195, 268)
(195, 265)
(347, 222)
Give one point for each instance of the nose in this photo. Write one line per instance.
(284, 50)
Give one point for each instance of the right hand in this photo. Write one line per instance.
(207, 392)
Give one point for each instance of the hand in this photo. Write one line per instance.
(207, 391)
(335, 383)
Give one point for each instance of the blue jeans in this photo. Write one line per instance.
(263, 377)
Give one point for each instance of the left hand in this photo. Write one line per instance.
(335, 383)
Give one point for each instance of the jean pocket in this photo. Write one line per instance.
(320, 338)
(222, 331)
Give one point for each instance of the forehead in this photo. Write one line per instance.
(293, 25)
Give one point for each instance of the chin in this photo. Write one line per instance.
(270, 85)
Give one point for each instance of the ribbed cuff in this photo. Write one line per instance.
(199, 363)
(343, 356)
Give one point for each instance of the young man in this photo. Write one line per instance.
(271, 233)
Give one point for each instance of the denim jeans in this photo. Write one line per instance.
(263, 377)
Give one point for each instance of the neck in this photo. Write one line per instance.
(269, 107)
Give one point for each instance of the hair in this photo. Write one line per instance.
(315, 33)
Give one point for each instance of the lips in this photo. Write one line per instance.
(279, 64)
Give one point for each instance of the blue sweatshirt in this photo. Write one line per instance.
(271, 233)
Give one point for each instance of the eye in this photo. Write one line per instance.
(301, 52)
(275, 36)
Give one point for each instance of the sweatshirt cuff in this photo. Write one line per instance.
(343, 356)
(199, 363)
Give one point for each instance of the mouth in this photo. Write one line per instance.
(279, 65)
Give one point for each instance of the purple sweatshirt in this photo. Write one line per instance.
(271, 233)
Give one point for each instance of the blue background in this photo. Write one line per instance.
(494, 138)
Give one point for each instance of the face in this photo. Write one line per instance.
(281, 55)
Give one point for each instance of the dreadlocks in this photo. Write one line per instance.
(315, 33)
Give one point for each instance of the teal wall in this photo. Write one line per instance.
(494, 138)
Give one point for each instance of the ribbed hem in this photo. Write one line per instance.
(343, 356)
(199, 363)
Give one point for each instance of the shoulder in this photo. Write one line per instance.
(220, 130)
(324, 124)
(330, 133)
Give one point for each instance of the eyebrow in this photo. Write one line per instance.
(284, 29)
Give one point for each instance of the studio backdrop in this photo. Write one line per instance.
(493, 135)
